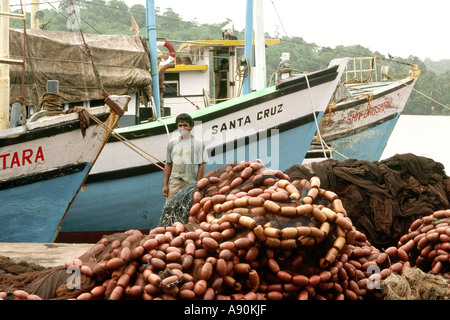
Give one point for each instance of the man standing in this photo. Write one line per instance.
(222, 70)
(184, 154)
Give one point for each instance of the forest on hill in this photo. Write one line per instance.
(114, 17)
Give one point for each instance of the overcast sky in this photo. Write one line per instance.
(399, 27)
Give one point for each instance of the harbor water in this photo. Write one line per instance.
(422, 135)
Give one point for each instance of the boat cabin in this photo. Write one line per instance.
(206, 72)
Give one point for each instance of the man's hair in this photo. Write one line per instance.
(185, 118)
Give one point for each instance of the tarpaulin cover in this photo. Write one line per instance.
(123, 63)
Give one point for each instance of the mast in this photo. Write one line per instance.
(4, 68)
(151, 36)
(5, 60)
(260, 50)
(34, 22)
(248, 50)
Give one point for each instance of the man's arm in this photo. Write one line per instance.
(167, 172)
(201, 171)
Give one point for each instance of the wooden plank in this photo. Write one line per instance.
(44, 254)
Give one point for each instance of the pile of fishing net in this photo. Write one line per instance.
(415, 284)
(424, 271)
(28, 281)
(250, 233)
(177, 209)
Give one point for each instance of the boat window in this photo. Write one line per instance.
(172, 85)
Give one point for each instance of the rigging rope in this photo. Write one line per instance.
(314, 113)
(127, 142)
(428, 97)
(423, 94)
(88, 50)
(333, 150)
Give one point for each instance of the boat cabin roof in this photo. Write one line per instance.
(216, 44)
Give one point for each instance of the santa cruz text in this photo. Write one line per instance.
(240, 122)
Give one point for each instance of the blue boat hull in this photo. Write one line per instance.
(367, 145)
(143, 192)
(38, 220)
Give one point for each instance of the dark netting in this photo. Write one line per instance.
(177, 209)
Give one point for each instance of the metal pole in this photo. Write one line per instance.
(151, 35)
(4, 68)
(260, 50)
(34, 8)
(248, 50)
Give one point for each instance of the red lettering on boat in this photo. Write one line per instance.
(369, 111)
(39, 155)
(21, 158)
(15, 160)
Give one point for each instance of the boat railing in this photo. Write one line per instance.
(361, 70)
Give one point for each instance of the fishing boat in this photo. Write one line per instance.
(44, 164)
(45, 156)
(363, 112)
(275, 124)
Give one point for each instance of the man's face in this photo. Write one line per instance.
(184, 128)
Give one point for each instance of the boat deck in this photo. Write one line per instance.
(45, 254)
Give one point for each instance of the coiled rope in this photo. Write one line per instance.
(242, 73)
(51, 101)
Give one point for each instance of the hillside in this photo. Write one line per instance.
(439, 67)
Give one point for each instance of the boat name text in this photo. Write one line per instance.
(236, 123)
(369, 111)
(27, 156)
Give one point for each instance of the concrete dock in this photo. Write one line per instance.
(44, 254)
